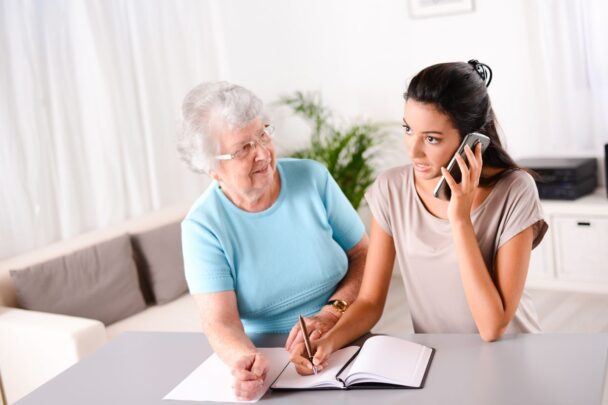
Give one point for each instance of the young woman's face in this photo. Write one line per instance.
(430, 138)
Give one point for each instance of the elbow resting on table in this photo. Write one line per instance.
(491, 334)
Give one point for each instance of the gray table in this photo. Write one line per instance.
(142, 367)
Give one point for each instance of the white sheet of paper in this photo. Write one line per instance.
(212, 380)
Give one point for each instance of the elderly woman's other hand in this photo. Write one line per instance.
(317, 325)
(249, 373)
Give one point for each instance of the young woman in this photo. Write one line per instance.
(464, 261)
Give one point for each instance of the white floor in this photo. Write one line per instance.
(558, 311)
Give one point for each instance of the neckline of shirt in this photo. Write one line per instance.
(412, 186)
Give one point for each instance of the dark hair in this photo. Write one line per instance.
(459, 90)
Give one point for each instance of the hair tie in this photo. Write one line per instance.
(482, 70)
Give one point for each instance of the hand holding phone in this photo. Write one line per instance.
(442, 190)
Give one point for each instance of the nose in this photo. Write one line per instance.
(262, 152)
(416, 146)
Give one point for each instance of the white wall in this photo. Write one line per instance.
(360, 54)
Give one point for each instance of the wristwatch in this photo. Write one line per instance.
(339, 305)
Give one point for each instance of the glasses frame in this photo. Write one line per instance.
(268, 130)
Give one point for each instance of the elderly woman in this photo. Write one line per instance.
(268, 240)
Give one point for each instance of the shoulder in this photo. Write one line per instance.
(389, 183)
(205, 206)
(394, 178)
(515, 190)
(521, 206)
(292, 166)
(303, 175)
(518, 182)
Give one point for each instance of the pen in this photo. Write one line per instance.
(307, 344)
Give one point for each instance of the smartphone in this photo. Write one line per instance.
(442, 190)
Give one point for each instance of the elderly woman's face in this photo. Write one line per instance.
(249, 175)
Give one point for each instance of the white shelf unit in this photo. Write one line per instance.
(574, 254)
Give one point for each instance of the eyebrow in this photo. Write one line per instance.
(425, 132)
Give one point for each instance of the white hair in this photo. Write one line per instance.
(205, 108)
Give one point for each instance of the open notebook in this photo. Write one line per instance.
(382, 362)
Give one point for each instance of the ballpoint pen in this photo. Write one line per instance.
(307, 344)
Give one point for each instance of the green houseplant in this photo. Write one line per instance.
(346, 152)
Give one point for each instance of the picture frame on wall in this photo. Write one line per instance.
(434, 8)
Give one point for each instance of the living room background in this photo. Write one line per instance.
(91, 91)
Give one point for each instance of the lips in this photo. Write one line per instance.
(421, 166)
(262, 169)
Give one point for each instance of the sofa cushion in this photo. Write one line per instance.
(158, 254)
(179, 315)
(98, 282)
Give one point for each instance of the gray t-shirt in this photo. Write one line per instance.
(425, 249)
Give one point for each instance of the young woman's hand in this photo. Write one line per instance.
(321, 348)
(463, 193)
(317, 325)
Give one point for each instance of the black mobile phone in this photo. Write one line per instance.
(442, 190)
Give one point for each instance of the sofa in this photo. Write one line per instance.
(61, 302)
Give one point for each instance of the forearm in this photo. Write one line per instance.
(360, 317)
(484, 300)
(230, 342)
(377, 264)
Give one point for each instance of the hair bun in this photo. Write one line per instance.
(482, 70)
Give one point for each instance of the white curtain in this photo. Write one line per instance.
(89, 96)
(574, 57)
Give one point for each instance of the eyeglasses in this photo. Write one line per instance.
(263, 139)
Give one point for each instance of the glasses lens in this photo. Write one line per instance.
(263, 139)
(269, 130)
(244, 151)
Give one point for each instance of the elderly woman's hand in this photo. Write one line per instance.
(317, 325)
(249, 373)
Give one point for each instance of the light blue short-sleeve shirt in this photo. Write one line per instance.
(281, 262)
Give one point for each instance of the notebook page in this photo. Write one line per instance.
(391, 360)
(212, 380)
(326, 377)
